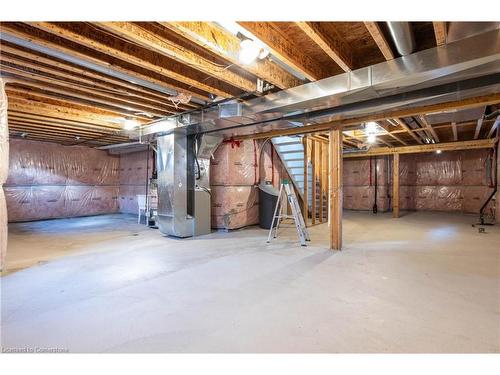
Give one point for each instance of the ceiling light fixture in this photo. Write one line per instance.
(130, 124)
(250, 50)
(438, 151)
(372, 138)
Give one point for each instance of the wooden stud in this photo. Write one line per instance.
(440, 32)
(313, 188)
(498, 183)
(332, 45)
(455, 131)
(478, 128)
(380, 40)
(335, 189)
(305, 200)
(395, 186)
(324, 171)
(429, 127)
(493, 127)
(320, 173)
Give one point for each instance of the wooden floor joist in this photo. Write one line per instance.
(212, 37)
(332, 45)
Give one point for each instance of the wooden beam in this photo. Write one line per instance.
(478, 128)
(154, 42)
(314, 163)
(7, 27)
(332, 45)
(305, 200)
(225, 45)
(407, 128)
(395, 186)
(455, 131)
(380, 40)
(426, 109)
(280, 47)
(440, 33)
(335, 189)
(131, 54)
(429, 128)
(448, 146)
(493, 127)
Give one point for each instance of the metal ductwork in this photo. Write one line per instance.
(183, 167)
(466, 68)
(402, 36)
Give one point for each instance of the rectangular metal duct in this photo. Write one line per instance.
(465, 68)
(175, 185)
(183, 185)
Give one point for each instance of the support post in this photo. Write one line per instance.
(305, 203)
(497, 214)
(395, 186)
(321, 183)
(335, 189)
(314, 172)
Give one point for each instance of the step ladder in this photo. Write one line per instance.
(281, 213)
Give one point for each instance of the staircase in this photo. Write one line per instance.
(291, 153)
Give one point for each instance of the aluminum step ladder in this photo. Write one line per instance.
(281, 213)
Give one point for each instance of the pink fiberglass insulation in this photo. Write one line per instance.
(133, 169)
(4, 169)
(235, 170)
(458, 181)
(451, 181)
(360, 181)
(48, 180)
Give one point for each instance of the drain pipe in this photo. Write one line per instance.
(402, 37)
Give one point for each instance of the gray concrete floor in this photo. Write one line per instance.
(427, 282)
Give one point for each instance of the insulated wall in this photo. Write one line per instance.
(363, 178)
(458, 181)
(48, 180)
(235, 171)
(134, 167)
(451, 181)
(4, 169)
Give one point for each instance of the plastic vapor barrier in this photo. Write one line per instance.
(362, 178)
(458, 181)
(451, 181)
(48, 180)
(235, 171)
(4, 169)
(133, 171)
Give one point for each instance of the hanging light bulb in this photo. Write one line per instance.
(249, 51)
